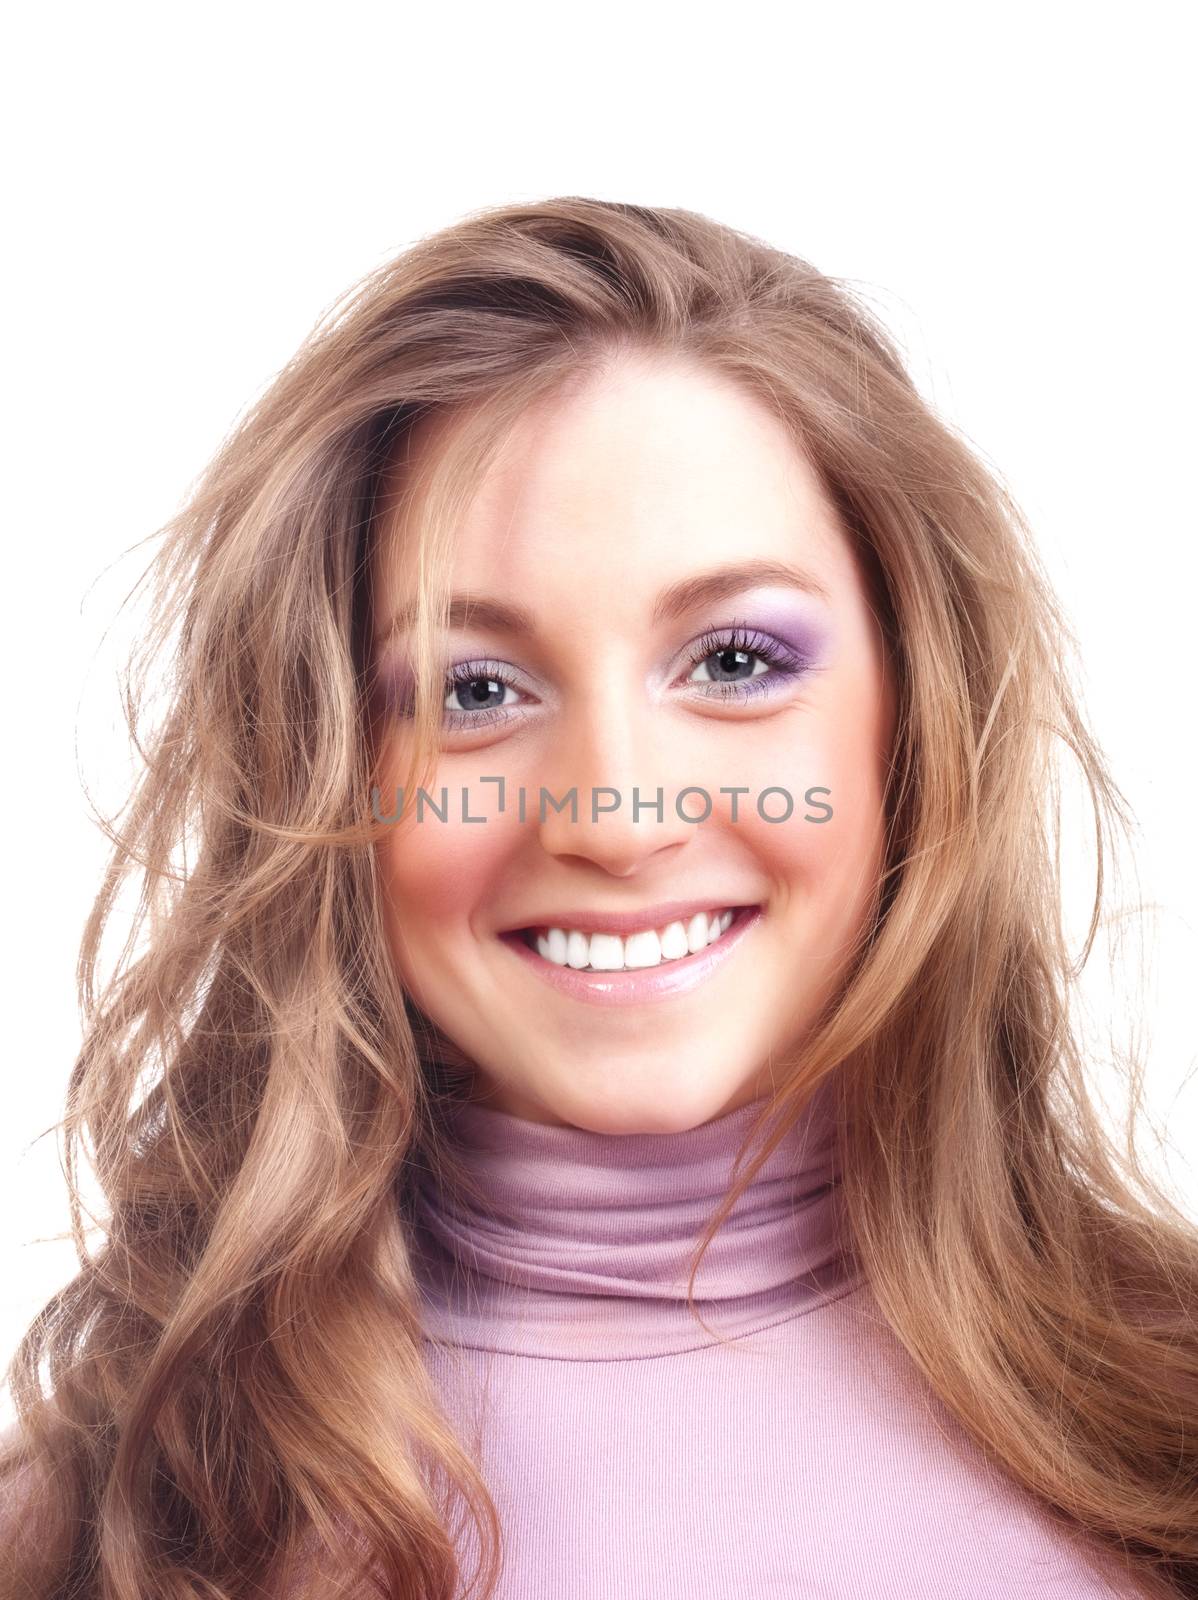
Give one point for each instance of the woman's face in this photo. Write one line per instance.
(662, 599)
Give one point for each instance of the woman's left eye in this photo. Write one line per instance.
(740, 662)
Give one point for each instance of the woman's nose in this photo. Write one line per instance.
(610, 794)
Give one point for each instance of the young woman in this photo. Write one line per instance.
(597, 1112)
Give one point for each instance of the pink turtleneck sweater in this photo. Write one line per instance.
(633, 1457)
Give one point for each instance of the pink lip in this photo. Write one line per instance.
(638, 984)
(625, 922)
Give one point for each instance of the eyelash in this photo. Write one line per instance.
(784, 664)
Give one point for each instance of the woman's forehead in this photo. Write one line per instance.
(618, 484)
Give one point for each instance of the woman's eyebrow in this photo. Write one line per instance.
(467, 609)
(723, 582)
(677, 600)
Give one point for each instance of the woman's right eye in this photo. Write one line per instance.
(475, 695)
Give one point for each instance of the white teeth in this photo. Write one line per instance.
(608, 952)
(642, 950)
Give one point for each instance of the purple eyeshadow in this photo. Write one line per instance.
(800, 631)
(804, 635)
(395, 686)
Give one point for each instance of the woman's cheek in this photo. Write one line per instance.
(440, 873)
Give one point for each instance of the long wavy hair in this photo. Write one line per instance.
(233, 1387)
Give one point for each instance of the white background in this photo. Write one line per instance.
(189, 188)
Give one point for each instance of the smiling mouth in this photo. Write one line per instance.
(674, 945)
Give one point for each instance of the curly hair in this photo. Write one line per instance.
(205, 1407)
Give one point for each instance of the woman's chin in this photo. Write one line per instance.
(645, 1094)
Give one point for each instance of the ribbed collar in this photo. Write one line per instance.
(578, 1244)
